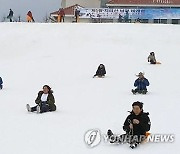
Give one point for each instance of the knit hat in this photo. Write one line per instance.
(140, 104)
(151, 53)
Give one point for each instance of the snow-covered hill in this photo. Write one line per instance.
(66, 56)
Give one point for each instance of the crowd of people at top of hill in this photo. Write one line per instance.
(29, 17)
(60, 17)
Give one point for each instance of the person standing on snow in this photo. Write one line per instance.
(101, 71)
(45, 101)
(136, 126)
(30, 17)
(10, 16)
(77, 14)
(141, 84)
(61, 15)
(1, 82)
(120, 18)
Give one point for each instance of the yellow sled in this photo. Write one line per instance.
(147, 134)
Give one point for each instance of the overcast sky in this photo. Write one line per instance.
(39, 8)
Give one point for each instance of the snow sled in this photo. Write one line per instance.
(99, 76)
(144, 92)
(113, 139)
(158, 62)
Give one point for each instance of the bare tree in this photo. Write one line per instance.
(46, 18)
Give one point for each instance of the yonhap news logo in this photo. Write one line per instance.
(93, 138)
(161, 138)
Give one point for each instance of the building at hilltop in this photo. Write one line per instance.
(149, 11)
(144, 11)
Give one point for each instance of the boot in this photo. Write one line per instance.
(133, 145)
(28, 107)
(109, 133)
(144, 91)
(111, 136)
(133, 91)
(38, 109)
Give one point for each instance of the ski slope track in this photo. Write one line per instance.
(66, 56)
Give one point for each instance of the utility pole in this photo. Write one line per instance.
(63, 3)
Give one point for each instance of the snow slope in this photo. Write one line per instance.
(66, 56)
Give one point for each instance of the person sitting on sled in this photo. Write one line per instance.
(136, 126)
(141, 84)
(45, 101)
(101, 71)
(151, 58)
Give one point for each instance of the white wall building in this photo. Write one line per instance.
(84, 3)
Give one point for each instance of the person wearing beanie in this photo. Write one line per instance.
(1, 82)
(136, 126)
(45, 101)
(140, 84)
(101, 71)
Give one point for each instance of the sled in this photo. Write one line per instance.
(147, 134)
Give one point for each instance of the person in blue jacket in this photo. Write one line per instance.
(1, 82)
(140, 84)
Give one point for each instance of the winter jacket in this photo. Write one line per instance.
(138, 129)
(30, 14)
(10, 14)
(61, 13)
(141, 84)
(30, 17)
(50, 100)
(100, 71)
(77, 13)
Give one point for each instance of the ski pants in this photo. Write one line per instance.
(44, 107)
